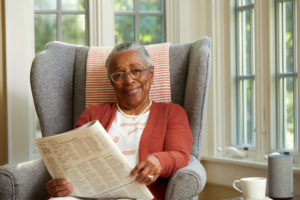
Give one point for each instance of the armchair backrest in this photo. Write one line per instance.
(58, 85)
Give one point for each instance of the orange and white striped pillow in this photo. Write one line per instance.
(99, 89)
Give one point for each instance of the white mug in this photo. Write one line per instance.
(253, 188)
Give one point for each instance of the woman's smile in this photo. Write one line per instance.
(133, 91)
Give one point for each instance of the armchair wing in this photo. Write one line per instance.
(188, 182)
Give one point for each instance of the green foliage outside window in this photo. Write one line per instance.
(44, 30)
(124, 5)
(150, 5)
(72, 28)
(150, 29)
(124, 29)
(44, 4)
(133, 18)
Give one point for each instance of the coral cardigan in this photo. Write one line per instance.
(167, 136)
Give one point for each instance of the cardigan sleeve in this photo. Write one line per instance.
(177, 144)
(85, 117)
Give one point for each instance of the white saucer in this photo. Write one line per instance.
(265, 198)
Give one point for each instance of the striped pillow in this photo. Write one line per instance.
(99, 89)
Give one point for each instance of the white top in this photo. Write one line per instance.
(126, 133)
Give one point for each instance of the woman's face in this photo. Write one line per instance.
(132, 93)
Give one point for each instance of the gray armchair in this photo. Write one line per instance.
(58, 88)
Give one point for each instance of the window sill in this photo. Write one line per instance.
(242, 163)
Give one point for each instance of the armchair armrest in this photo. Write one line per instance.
(188, 182)
(24, 181)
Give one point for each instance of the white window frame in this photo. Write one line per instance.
(101, 16)
(276, 143)
(219, 124)
(221, 171)
(240, 77)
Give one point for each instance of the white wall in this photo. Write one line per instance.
(19, 55)
(188, 20)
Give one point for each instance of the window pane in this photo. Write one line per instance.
(152, 5)
(73, 4)
(44, 4)
(73, 29)
(244, 2)
(288, 42)
(246, 113)
(150, 29)
(287, 115)
(44, 30)
(124, 5)
(124, 29)
(245, 43)
(286, 138)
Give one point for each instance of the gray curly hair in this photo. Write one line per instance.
(125, 47)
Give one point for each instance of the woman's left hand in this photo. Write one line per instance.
(147, 170)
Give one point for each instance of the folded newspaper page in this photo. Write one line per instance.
(88, 159)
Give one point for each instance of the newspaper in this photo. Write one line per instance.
(88, 159)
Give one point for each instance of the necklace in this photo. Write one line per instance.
(134, 116)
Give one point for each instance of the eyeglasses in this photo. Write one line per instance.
(120, 77)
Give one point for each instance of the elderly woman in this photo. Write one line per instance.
(155, 137)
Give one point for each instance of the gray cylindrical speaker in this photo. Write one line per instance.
(280, 176)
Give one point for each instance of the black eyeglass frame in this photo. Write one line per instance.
(125, 74)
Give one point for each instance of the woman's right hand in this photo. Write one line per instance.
(59, 188)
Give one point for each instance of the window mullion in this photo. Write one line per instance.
(284, 79)
(277, 71)
(138, 12)
(253, 110)
(45, 12)
(295, 113)
(252, 41)
(296, 16)
(163, 18)
(244, 43)
(137, 21)
(284, 114)
(253, 89)
(244, 75)
(237, 136)
(296, 46)
(243, 69)
(87, 24)
(245, 141)
(59, 21)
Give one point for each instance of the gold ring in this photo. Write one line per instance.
(150, 176)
